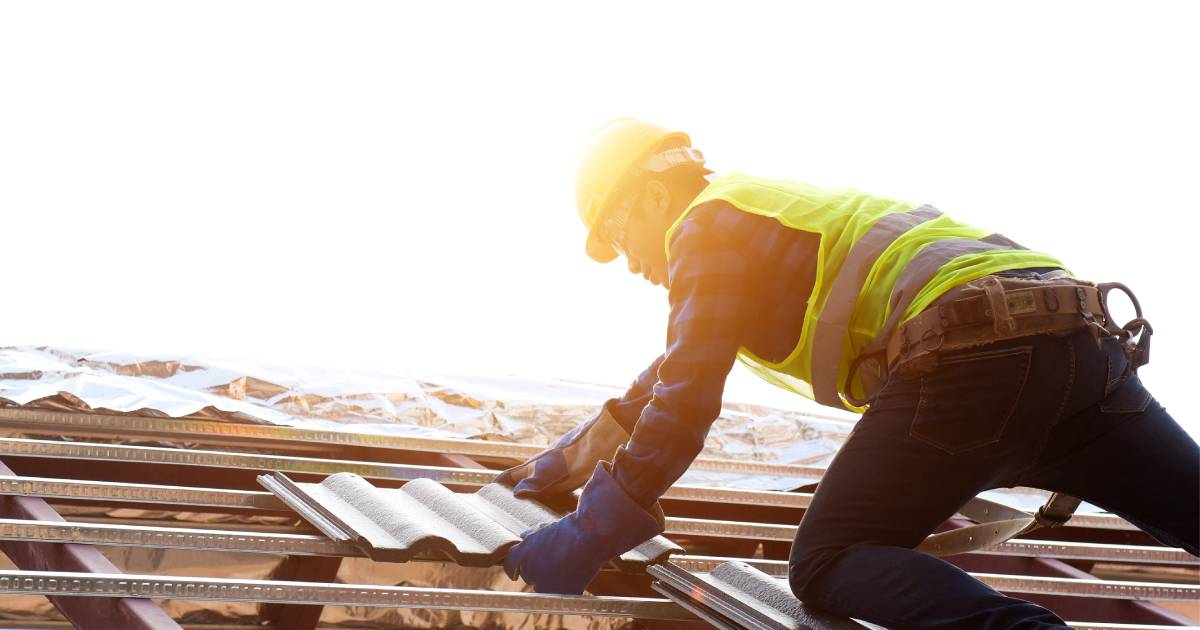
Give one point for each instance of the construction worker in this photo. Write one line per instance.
(979, 364)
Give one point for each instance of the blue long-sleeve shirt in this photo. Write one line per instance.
(735, 279)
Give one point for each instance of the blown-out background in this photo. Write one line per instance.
(391, 184)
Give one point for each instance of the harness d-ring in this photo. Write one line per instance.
(1104, 288)
(854, 365)
(1138, 352)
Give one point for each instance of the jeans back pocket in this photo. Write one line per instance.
(967, 401)
(1123, 390)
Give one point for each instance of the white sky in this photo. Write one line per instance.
(390, 184)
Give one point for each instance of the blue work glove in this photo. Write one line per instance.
(565, 466)
(563, 556)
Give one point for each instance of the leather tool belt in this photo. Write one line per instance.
(995, 308)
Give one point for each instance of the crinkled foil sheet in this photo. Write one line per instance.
(408, 403)
(386, 402)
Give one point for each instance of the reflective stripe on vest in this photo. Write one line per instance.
(831, 329)
(829, 335)
(919, 271)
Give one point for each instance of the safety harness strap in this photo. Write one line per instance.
(670, 158)
(998, 523)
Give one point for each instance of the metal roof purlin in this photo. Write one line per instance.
(317, 545)
(92, 585)
(24, 447)
(202, 431)
(222, 499)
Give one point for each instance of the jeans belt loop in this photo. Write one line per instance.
(1002, 321)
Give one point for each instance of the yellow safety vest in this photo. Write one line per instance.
(880, 263)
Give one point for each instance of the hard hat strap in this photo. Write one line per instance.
(666, 160)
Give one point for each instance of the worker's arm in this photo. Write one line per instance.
(567, 465)
(736, 280)
(628, 408)
(709, 295)
(618, 508)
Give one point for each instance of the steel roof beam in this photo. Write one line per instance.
(284, 592)
(21, 447)
(233, 433)
(312, 545)
(176, 495)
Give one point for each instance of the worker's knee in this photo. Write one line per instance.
(804, 564)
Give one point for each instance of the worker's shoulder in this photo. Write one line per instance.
(718, 225)
(746, 229)
(719, 217)
(706, 225)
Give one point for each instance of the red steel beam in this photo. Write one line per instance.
(299, 569)
(85, 613)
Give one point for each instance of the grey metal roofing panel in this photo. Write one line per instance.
(736, 595)
(749, 584)
(396, 524)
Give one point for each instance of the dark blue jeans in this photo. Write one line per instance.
(1056, 413)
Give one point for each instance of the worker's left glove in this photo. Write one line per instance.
(565, 466)
(563, 556)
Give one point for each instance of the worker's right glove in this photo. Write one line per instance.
(564, 556)
(568, 464)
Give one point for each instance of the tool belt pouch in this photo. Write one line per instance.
(995, 308)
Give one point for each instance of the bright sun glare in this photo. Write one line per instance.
(390, 184)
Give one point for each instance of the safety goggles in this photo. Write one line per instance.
(614, 228)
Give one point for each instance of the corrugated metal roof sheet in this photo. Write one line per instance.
(736, 595)
(396, 524)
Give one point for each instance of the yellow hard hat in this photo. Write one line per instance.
(612, 152)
